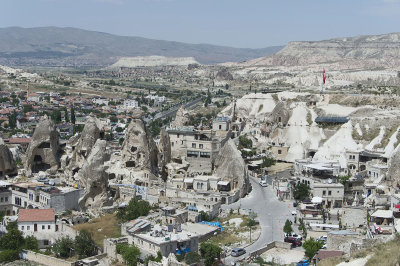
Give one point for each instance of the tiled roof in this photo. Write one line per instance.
(36, 215)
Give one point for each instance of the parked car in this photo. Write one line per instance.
(294, 235)
(296, 242)
(236, 252)
(263, 183)
(323, 239)
(294, 213)
(303, 263)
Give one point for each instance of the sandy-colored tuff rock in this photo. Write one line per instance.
(43, 151)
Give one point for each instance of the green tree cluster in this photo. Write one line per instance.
(13, 242)
(210, 253)
(135, 209)
(311, 247)
(301, 191)
(245, 142)
(287, 228)
(83, 244)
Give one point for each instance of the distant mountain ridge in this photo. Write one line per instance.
(77, 47)
(378, 50)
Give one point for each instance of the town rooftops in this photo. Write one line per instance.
(36, 215)
(18, 141)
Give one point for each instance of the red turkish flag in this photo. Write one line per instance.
(324, 77)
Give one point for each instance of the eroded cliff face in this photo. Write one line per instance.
(230, 166)
(43, 151)
(372, 50)
(164, 155)
(94, 179)
(139, 151)
(83, 143)
(181, 118)
(7, 163)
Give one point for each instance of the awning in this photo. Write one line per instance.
(383, 214)
(223, 183)
(188, 180)
(316, 200)
(397, 206)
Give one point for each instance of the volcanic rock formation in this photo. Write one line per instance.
(7, 163)
(181, 118)
(94, 179)
(139, 152)
(82, 144)
(230, 166)
(43, 151)
(164, 155)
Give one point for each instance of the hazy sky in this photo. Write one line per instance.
(244, 23)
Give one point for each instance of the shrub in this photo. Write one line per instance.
(9, 255)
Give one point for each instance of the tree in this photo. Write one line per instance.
(62, 247)
(288, 227)
(113, 119)
(27, 108)
(267, 162)
(12, 120)
(131, 255)
(311, 247)
(210, 253)
(192, 257)
(135, 209)
(56, 116)
(301, 191)
(84, 244)
(66, 116)
(204, 216)
(31, 243)
(245, 142)
(13, 239)
(152, 258)
(73, 119)
(9, 255)
(119, 129)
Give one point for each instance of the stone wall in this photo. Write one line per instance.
(46, 260)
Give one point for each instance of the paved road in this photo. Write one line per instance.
(171, 112)
(271, 213)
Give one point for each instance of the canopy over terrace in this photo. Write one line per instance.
(323, 169)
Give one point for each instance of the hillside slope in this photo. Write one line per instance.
(375, 50)
(71, 46)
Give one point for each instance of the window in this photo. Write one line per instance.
(324, 192)
(6, 199)
(220, 127)
(329, 193)
(182, 142)
(48, 227)
(43, 227)
(46, 242)
(28, 227)
(193, 145)
(172, 144)
(279, 151)
(1, 199)
(200, 146)
(205, 155)
(22, 227)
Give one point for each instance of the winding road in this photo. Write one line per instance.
(271, 214)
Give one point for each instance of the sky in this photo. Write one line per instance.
(236, 23)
